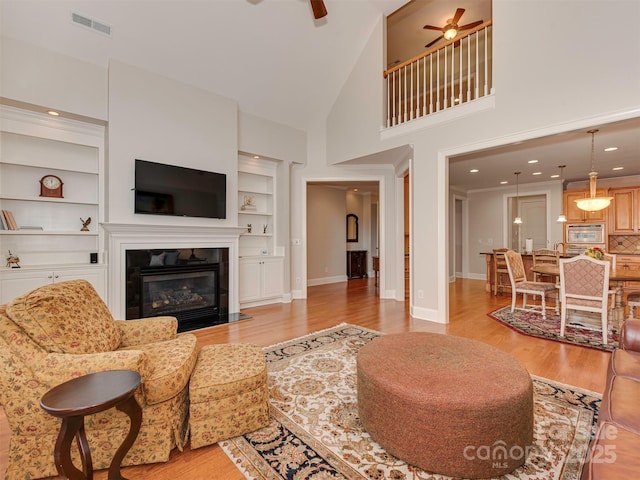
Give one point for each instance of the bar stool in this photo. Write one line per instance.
(500, 270)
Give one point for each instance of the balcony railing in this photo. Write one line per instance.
(453, 74)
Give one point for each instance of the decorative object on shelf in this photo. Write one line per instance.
(593, 203)
(12, 260)
(51, 186)
(85, 224)
(518, 219)
(595, 252)
(264, 228)
(561, 218)
(249, 228)
(249, 203)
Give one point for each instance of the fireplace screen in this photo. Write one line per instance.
(169, 293)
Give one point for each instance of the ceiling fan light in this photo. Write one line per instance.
(450, 32)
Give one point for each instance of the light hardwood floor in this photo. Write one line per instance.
(356, 302)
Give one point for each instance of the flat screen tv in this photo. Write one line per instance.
(185, 192)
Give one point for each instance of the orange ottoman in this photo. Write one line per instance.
(446, 404)
(228, 393)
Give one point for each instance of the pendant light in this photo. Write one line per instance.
(561, 217)
(593, 203)
(518, 220)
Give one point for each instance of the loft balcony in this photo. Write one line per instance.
(443, 78)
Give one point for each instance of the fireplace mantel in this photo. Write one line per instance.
(121, 237)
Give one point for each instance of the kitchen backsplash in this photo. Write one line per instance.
(624, 244)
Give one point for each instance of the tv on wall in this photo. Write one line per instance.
(184, 192)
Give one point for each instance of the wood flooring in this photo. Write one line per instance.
(356, 302)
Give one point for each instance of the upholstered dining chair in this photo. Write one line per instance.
(499, 270)
(584, 286)
(544, 257)
(520, 285)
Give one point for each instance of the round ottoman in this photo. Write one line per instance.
(446, 404)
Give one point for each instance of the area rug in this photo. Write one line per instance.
(532, 323)
(315, 433)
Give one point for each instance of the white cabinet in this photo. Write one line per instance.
(16, 281)
(261, 280)
(49, 232)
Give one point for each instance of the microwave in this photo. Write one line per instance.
(585, 234)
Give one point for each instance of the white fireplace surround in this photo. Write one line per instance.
(122, 237)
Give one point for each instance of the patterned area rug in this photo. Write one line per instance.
(532, 323)
(315, 432)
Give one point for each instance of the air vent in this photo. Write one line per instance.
(87, 22)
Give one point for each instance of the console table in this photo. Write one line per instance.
(86, 395)
(356, 264)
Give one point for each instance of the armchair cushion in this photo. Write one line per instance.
(170, 365)
(66, 317)
(146, 330)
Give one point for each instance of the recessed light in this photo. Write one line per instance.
(532, 161)
(610, 149)
(504, 182)
(536, 173)
(474, 170)
(53, 113)
(555, 175)
(256, 156)
(355, 189)
(617, 168)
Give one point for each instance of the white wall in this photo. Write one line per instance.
(326, 259)
(160, 120)
(544, 84)
(41, 77)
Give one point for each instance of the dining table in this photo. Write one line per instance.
(617, 278)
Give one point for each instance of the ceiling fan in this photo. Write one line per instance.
(319, 10)
(451, 29)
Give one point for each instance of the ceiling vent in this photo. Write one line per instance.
(87, 22)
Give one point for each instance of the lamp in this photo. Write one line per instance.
(450, 31)
(561, 217)
(518, 220)
(593, 203)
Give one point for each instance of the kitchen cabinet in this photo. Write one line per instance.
(624, 213)
(575, 215)
(356, 264)
(261, 280)
(15, 282)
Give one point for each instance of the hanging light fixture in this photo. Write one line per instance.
(561, 217)
(593, 203)
(518, 220)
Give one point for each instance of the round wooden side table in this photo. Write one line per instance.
(86, 395)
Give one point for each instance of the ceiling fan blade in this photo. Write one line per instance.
(470, 25)
(319, 10)
(432, 27)
(457, 16)
(436, 40)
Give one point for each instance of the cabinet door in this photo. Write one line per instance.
(250, 280)
(95, 277)
(623, 211)
(14, 283)
(272, 277)
(575, 215)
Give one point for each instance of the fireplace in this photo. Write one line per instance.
(189, 284)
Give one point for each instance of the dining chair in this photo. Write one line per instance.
(633, 300)
(520, 284)
(544, 257)
(499, 270)
(584, 286)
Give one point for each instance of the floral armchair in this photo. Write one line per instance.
(64, 330)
